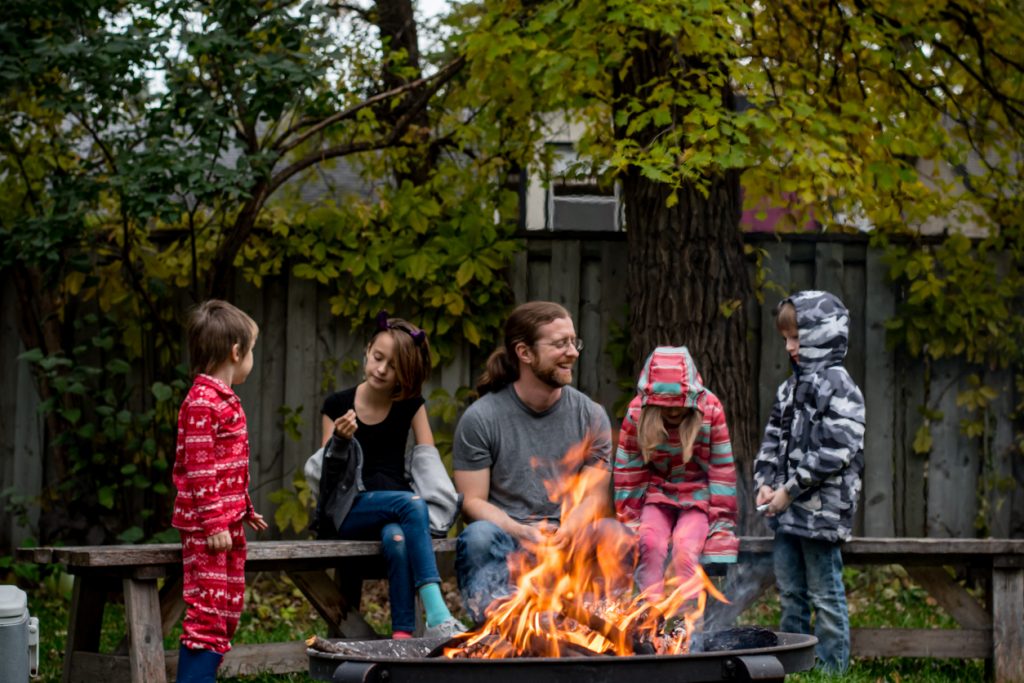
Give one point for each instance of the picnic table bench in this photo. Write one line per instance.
(993, 630)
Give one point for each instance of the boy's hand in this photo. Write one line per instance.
(256, 521)
(764, 494)
(779, 501)
(219, 542)
(345, 426)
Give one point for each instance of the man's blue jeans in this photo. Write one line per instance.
(399, 519)
(482, 550)
(810, 572)
(481, 566)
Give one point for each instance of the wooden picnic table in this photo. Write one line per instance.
(134, 572)
(992, 629)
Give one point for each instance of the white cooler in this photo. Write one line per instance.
(19, 637)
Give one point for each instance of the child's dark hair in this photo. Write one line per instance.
(214, 327)
(411, 354)
(502, 366)
(785, 316)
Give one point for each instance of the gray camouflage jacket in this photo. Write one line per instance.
(814, 440)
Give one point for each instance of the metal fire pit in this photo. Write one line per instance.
(407, 661)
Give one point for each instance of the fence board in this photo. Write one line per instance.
(565, 270)
(879, 389)
(952, 476)
(774, 362)
(614, 309)
(912, 480)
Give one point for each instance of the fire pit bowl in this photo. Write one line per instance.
(407, 661)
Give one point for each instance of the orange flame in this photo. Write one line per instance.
(574, 591)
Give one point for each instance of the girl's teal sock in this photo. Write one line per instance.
(433, 603)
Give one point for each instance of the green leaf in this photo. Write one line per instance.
(106, 497)
(923, 439)
(161, 392)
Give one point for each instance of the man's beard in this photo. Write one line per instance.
(549, 376)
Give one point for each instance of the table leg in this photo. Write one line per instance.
(1008, 624)
(88, 598)
(145, 635)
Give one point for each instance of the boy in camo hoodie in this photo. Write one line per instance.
(807, 473)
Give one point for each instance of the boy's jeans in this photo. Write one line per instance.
(399, 520)
(810, 572)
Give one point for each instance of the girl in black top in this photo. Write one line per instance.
(379, 412)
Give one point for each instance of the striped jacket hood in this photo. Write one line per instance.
(670, 379)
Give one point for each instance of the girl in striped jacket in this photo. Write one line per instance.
(675, 481)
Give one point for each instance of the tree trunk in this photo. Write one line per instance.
(687, 277)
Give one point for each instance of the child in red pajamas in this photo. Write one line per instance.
(211, 473)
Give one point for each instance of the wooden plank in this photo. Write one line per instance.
(520, 276)
(774, 363)
(952, 464)
(879, 390)
(588, 326)
(90, 667)
(26, 472)
(538, 285)
(802, 260)
(85, 621)
(934, 643)
(951, 596)
(565, 275)
(331, 603)
(158, 554)
(262, 553)
(940, 551)
(828, 268)
(1003, 455)
(249, 660)
(1008, 624)
(614, 311)
(300, 395)
(39, 555)
(911, 472)
(266, 439)
(10, 347)
(145, 639)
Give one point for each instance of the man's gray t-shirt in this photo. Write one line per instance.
(501, 433)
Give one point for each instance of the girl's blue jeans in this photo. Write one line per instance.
(808, 573)
(399, 519)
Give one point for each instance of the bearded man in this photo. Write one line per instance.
(513, 439)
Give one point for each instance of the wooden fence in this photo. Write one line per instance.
(943, 494)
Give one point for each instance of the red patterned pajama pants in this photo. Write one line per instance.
(213, 591)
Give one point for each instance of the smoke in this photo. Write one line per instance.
(744, 583)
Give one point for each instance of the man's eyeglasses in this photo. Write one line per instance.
(564, 344)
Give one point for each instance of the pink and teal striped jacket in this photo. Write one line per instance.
(707, 482)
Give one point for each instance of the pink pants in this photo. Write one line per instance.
(214, 587)
(660, 524)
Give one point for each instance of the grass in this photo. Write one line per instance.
(277, 611)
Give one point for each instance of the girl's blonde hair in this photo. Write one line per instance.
(651, 431)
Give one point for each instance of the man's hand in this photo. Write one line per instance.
(764, 494)
(345, 426)
(219, 542)
(256, 521)
(526, 534)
